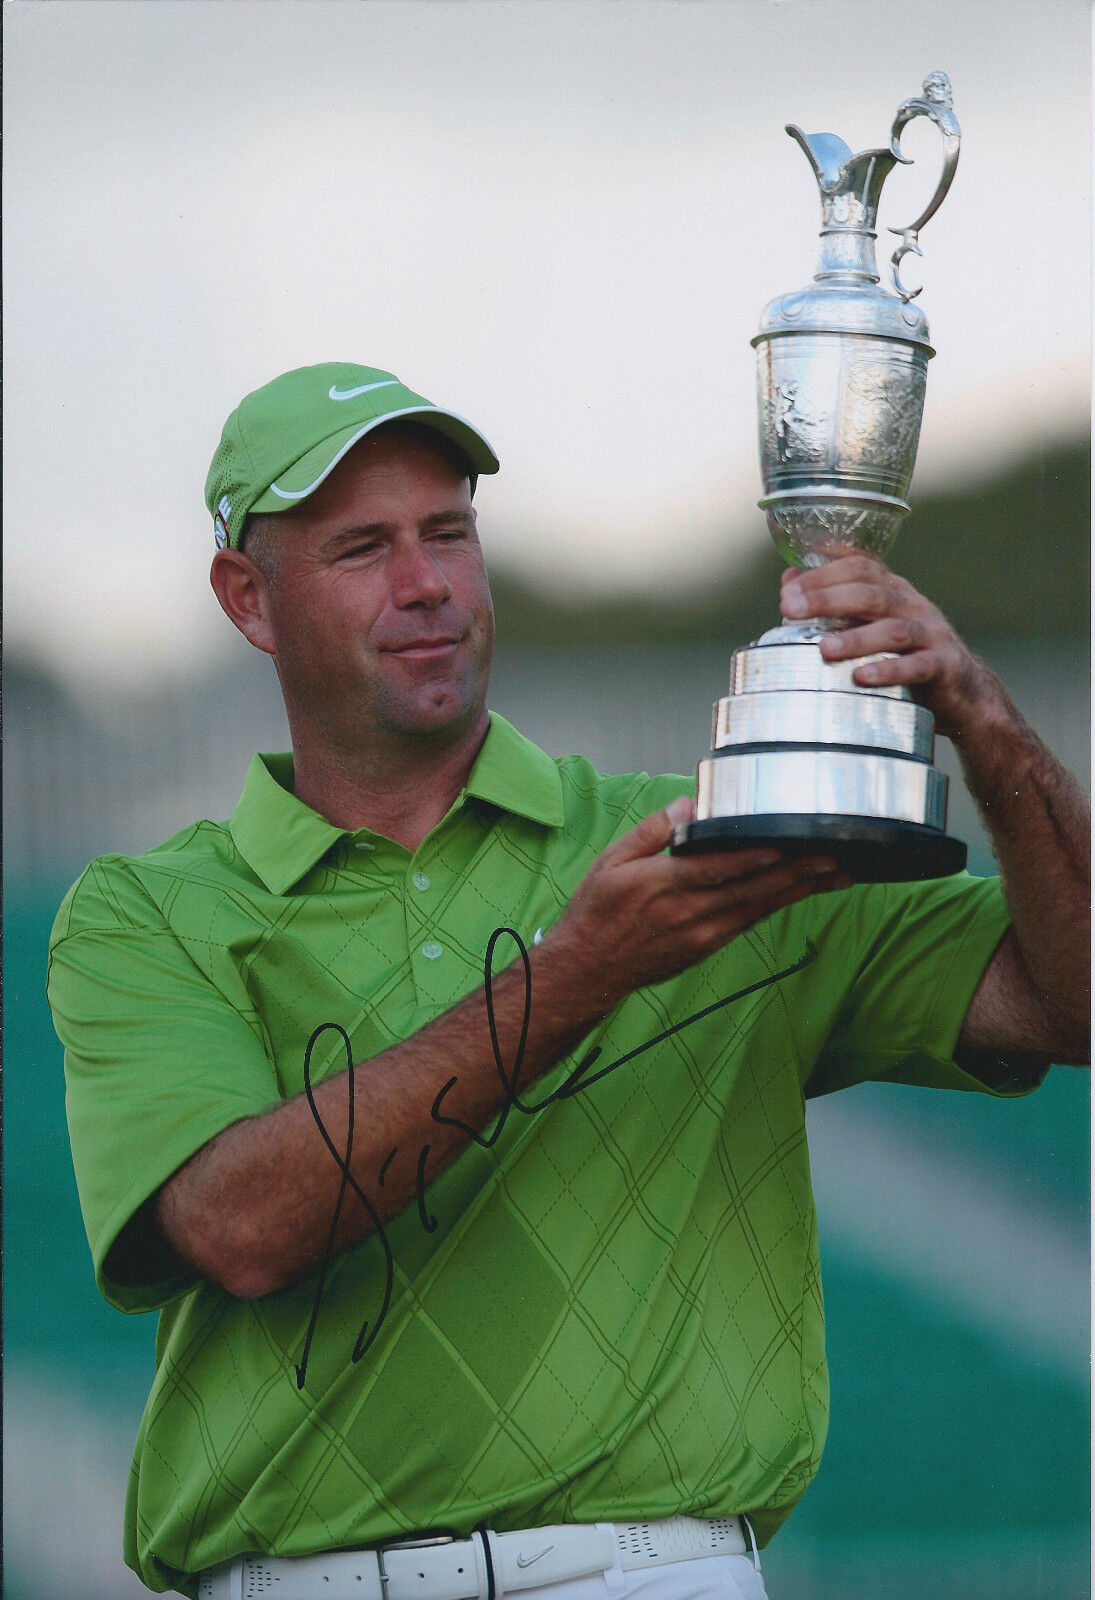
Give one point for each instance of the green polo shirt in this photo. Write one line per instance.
(617, 1311)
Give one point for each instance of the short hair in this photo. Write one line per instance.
(260, 536)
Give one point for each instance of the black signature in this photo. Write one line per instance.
(576, 1081)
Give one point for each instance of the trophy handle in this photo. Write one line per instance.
(936, 103)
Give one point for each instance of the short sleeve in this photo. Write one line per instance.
(914, 955)
(157, 1062)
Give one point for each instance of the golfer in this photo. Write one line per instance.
(454, 1128)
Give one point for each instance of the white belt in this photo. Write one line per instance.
(485, 1567)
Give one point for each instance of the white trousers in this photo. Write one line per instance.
(704, 1578)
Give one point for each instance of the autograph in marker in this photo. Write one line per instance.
(580, 1078)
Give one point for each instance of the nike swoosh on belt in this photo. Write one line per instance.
(526, 1561)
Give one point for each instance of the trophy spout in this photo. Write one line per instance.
(851, 187)
(825, 153)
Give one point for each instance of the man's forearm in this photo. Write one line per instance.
(1038, 819)
(253, 1208)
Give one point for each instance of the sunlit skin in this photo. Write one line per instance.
(377, 612)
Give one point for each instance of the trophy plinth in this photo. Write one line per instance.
(802, 757)
(806, 761)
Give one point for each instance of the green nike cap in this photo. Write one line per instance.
(282, 440)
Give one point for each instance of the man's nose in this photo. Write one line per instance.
(417, 577)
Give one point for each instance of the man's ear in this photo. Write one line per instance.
(242, 590)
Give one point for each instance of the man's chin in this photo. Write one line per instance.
(442, 701)
(441, 717)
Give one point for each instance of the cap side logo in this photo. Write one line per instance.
(363, 388)
(220, 521)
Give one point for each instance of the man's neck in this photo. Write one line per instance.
(398, 788)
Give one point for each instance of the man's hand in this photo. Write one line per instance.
(1033, 998)
(887, 613)
(640, 916)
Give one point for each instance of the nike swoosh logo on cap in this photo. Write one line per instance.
(364, 388)
(526, 1561)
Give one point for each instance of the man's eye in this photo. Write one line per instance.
(366, 548)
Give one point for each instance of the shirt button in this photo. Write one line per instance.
(420, 880)
(431, 950)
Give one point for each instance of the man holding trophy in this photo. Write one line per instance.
(475, 1280)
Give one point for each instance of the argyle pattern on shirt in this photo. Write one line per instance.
(616, 1313)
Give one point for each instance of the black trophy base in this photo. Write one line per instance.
(868, 849)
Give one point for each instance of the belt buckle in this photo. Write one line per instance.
(407, 1544)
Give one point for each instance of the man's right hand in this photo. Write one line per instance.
(640, 916)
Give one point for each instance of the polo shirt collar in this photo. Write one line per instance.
(513, 773)
(281, 838)
(278, 836)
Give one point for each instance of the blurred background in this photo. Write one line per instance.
(562, 220)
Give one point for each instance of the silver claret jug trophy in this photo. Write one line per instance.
(802, 758)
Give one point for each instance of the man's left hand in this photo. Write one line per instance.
(887, 613)
(1032, 1001)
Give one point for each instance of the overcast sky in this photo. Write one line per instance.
(560, 219)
